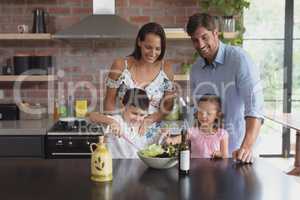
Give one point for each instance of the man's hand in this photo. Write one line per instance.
(244, 155)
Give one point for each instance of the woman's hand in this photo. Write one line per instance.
(93, 117)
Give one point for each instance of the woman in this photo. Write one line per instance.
(146, 69)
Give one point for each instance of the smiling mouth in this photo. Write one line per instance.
(203, 50)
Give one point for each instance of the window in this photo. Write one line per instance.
(264, 41)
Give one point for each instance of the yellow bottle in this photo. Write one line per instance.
(81, 108)
(81, 104)
(101, 162)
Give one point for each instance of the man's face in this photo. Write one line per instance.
(205, 42)
(134, 115)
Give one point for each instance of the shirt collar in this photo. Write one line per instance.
(219, 57)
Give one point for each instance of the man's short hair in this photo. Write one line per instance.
(200, 19)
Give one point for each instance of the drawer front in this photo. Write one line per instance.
(22, 146)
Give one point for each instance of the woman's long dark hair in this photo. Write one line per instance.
(153, 28)
(219, 122)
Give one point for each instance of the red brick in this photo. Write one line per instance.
(121, 3)
(181, 19)
(57, 10)
(139, 19)
(165, 20)
(61, 22)
(153, 11)
(12, 11)
(35, 93)
(25, 52)
(161, 4)
(191, 10)
(78, 78)
(73, 2)
(72, 69)
(128, 11)
(139, 3)
(185, 2)
(87, 2)
(39, 2)
(48, 51)
(82, 10)
(177, 11)
(22, 19)
(8, 93)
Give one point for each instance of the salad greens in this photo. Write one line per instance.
(156, 150)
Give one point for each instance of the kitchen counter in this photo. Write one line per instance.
(25, 127)
(61, 179)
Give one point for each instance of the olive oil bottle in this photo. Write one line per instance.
(101, 162)
(184, 154)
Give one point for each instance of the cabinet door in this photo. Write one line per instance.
(21, 146)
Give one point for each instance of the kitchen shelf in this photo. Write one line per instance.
(179, 33)
(230, 35)
(176, 33)
(25, 36)
(27, 78)
(181, 77)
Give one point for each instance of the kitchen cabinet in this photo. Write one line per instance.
(22, 146)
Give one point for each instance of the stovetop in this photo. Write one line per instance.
(77, 127)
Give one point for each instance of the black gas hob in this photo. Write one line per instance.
(77, 127)
(72, 139)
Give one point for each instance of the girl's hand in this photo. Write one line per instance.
(217, 155)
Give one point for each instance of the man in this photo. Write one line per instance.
(228, 72)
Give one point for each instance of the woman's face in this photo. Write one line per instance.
(150, 48)
(207, 113)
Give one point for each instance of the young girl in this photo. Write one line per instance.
(208, 139)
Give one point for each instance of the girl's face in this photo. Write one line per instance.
(134, 115)
(207, 113)
(150, 48)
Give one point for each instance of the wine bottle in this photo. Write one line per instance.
(184, 154)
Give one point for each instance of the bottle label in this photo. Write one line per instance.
(184, 160)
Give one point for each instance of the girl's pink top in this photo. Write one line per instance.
(203, 144)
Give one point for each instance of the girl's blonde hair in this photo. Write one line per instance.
(219, 122)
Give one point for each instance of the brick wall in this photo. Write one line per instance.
(81, 60)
